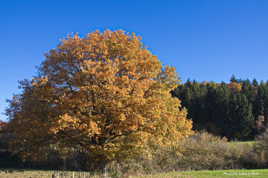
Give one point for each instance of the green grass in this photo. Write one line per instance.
(235, 143)
(259, 173)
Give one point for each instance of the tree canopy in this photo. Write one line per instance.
(104, 93)
(237, 110)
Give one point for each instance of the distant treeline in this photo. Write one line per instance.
(237, 110)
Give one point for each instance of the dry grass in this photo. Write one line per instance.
(257, 173)
(46, 174)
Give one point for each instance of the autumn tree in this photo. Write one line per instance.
(2, 124)
(104, 93)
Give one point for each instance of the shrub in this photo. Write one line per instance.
(198, 152)
(205, 151)
(258, 157)
(202, 151)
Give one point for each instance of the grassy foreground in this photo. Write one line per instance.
(249, 143)
(258, 173)
(45, 174)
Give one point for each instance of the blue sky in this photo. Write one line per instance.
(204, 39)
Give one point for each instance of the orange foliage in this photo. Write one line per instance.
(235, 86)
(2, 124)
(105, 93)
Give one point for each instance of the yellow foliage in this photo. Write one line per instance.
(235, 86)
(105, 93)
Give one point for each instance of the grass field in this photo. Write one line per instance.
(259, 173)
(250, 143)
(45, 174)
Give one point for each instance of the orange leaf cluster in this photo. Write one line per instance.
(103, 93)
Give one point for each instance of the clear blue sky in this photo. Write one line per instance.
(204, 39)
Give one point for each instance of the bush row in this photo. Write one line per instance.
(202, 151)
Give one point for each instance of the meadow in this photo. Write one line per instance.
(256, 173)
